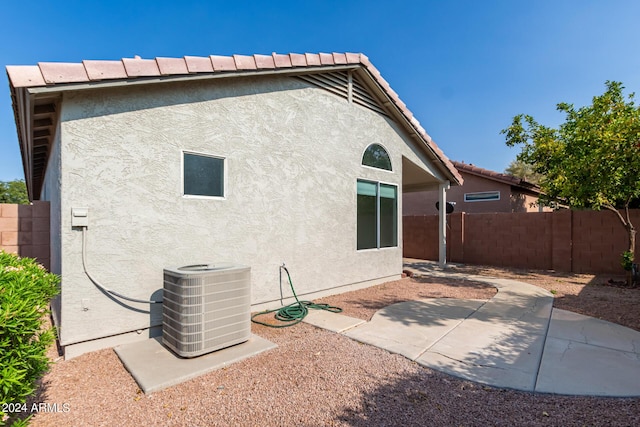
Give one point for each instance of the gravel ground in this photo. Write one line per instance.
(318, 378)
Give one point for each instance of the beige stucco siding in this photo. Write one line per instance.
(292, 154)
(51, 191)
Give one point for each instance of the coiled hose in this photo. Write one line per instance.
(293, 313)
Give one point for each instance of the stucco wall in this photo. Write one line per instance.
(51, 191)
(424, 202)
(292, 153)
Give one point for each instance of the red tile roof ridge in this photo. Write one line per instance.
(498, 176)
(51, 73)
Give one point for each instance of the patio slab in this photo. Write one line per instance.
(587, 356)
(409, 328)
(333, 322)
(154, 367)
(515, 340)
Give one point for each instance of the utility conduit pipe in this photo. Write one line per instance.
(97, 284)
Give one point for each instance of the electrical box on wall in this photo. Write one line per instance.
(79, 217)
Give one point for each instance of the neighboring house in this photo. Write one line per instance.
(483, 191)
(259, 160)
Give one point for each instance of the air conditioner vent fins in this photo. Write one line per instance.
(206, 309)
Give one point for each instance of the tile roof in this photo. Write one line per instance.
(53, 74)
(496, 176)
(48, 73)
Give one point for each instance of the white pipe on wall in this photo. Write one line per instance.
(442, 223)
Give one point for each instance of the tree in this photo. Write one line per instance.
(523, 170)
(592, 160)
(14, 192)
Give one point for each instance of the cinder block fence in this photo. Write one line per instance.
(24, 230)
(568, 241)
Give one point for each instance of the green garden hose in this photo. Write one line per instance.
(293, 313)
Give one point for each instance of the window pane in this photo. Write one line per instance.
(367, 217)
(482, 196)
(203, 175)
(388, 216)
(367, 188)
(376, 156)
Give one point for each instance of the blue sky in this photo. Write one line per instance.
(463, 67)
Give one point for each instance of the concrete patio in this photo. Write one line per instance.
(515, 340)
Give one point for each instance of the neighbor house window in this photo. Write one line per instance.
(377, 215)
(376, 156)
(203, 175)
(484, 196)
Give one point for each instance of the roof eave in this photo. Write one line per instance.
(410, 123)
(109, 83)
(30, 84)
(19, 101)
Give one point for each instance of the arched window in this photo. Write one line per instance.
(377, 157)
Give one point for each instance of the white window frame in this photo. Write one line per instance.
(373, 167)
(378, 183)
(489, 195)
(224, 175)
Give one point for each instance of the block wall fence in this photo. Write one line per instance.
(24, 230)
(567, 241)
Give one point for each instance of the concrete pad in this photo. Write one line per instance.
(409, 328)
(154, 367)
(587, 356)
(570, 367)
(588, 330)
(525, 314)
(494, 354)
(489, 375)
(334, 322)
(518, 340)
(500, 344)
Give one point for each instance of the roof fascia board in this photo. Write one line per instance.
(23, 127)
(59, 88)
(485, 176)
(437, 171)
(403, 119)
(521, 184)
(533, 191)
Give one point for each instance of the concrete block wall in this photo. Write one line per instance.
(455, 237)
(517, 240)
(561, 241)
(420, 236)
(569, 241)
(598, 239)
(24, 230)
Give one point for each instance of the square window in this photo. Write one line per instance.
(203, 175)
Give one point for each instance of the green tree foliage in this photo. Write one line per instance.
(14, 192)
(523, 170)
(592, 160)
(25, 291)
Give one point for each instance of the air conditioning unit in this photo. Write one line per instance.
(206, 307)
